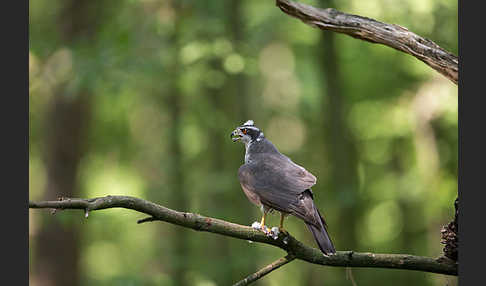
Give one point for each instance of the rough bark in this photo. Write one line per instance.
(373, 31)
(287, 243)
(449, 234)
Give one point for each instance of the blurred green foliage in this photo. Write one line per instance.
(226, 62)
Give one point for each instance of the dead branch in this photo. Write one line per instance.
(370, 30)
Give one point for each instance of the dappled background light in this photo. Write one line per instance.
(288, 133)
(138, 98)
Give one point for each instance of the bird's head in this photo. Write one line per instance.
(247, 133)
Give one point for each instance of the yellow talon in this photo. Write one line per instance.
(262, 223)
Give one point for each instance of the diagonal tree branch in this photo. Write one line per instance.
(287, 243)
(265, 270)
(370, 30)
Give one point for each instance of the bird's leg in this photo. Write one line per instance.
(281, 228)
(262, 222)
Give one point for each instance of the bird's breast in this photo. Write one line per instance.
(252, 196)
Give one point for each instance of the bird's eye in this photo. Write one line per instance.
(244, 131)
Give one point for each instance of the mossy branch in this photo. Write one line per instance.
(292, 246)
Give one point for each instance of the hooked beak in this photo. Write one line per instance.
(235, 135)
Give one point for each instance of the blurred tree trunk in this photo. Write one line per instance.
(220, 159)
(220, 244)
(340, 145)
(66, 126)
(180, 197)
(340, 149)
(57, 246)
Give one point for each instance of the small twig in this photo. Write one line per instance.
(147, 219)
(370, 30)
(349, 275)
(265, 270)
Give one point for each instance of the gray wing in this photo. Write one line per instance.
(279, 183)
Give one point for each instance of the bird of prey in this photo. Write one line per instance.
(272, 181)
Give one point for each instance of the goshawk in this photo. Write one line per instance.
(272, 181)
